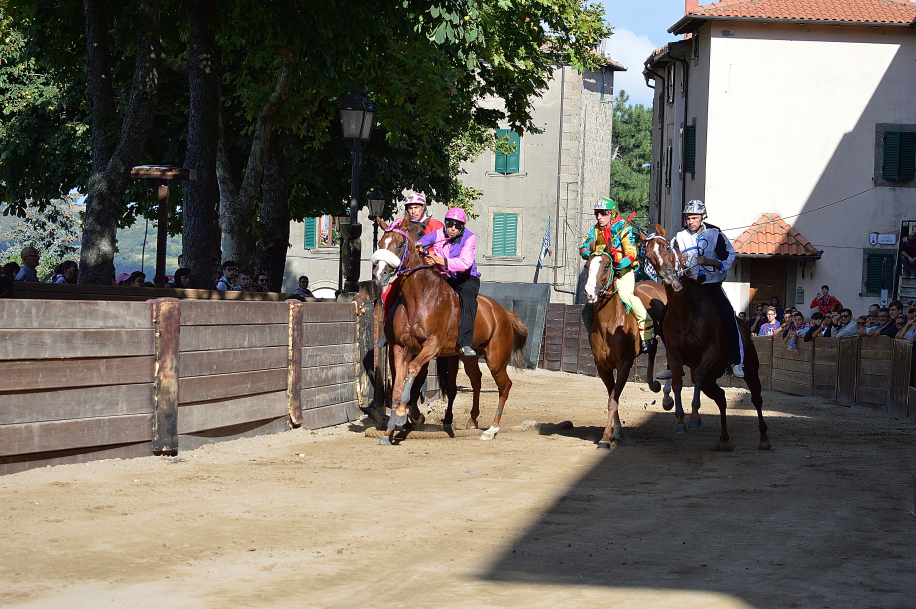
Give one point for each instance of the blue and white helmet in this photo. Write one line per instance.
(695, 207)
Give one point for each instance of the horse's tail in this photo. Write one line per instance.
(520, 332)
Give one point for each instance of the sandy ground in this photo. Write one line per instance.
(329, 519)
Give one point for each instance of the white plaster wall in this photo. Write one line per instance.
(791, 127)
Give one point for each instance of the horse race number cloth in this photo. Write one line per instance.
(708, 242)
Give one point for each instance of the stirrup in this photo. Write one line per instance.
(738, 370)
(664, 375)
(468, 351)
(382, 341)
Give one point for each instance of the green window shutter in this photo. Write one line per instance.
(874, 263)
(311, 233)
(505, 234)
(512, 161)
(907, 169)
(501, 159)
(690, 149)
(891, 169)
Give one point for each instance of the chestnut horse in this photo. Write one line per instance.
(614, 335)
(424, 325)
(695, 336)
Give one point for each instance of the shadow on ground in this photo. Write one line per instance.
(825, 516)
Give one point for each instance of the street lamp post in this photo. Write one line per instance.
(357, 115)
(376, 209)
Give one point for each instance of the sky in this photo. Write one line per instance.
(640, 27)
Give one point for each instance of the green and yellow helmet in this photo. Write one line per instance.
(606, 204)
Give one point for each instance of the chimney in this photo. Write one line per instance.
(691, 5)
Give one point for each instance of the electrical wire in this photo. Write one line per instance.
(808, 211)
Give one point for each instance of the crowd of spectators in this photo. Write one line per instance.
(831, 319)
(226, 276)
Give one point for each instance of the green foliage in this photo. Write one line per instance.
(632, 152)
(53, 231)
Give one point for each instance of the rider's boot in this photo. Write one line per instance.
(646, 344)
(468, 351)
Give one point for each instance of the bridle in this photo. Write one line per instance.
(405, 256)
(611, 285)
(678, 270)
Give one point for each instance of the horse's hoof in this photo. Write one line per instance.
(725, 447)
(449, 430)
(694, 424)
(419, 420)
(680, 428)
(765, 446)
(668, 403)
(602, 445)
(384, 441)
(490, 433)
(655, 386)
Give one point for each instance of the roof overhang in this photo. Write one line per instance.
(689, 24)
(782, 256)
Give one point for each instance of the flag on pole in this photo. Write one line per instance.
(545, 245)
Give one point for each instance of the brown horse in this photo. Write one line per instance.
(614, 335)
(695, 336)
(424, 325)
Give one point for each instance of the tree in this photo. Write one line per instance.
(632, 146)
(53, 231)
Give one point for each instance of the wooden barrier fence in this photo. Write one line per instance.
(878, 372)
(88, 380)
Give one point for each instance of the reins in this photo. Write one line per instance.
(401, 271)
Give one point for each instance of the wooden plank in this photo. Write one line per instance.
(871, 396)
(194, 418)
(322, 376)
(58, 291)
(328, 312)
(237, 384)
(764, 348)
(766, 377)
(294, 363)
(793, 365)
(224, 361)
(881, 367)
(781, 352)
(327, 416)
(19, 463)
(244, 430)
(208, 338)
(167, 319)
(791, 388)
(329, 354)
(847, 370)
(49, 436)
(317, 397)
(230, 313)
(73, 315)
(81, 403)
(900, 379)
(911, 403)
(801, 378)
(334, 333)
(39, 344)
(874, 381)
(51, 374)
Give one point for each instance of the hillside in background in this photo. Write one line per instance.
(130, 256)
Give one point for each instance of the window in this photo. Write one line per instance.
(690, 149)
(878, 262)
(505, 234)
(899, 155)
(668, 161)
(321, 232)
(670, 83)
(508, 163)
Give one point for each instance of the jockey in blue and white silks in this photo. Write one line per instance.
(706, 255)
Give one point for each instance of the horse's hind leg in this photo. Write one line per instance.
(695, 422)
(472, 369)
(752, 378)
(714, 392)
(451, 389)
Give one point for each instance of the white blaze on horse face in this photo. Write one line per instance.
(591, 284)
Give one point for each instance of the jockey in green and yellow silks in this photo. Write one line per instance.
(616, 236)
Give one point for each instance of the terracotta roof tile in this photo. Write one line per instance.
(869, 11)
(772, 236)
(851, 11)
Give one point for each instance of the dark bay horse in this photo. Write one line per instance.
(695, 336)
(614, 335)
(424, 325)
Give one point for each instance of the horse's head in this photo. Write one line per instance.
(393, 250)
(599, 274)
(663, 258)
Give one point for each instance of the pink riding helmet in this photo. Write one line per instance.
(456, 213)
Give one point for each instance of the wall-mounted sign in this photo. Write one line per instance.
(882, 239)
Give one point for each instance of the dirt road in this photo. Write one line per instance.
(329, 519)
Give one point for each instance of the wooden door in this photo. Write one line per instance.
(768, 279)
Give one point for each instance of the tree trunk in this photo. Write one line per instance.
(110, 174)
(237, 207)
(201, 196)
(274, 218)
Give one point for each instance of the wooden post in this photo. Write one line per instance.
(167, 320)
(847, 371)
(902, 357)
(294, 359)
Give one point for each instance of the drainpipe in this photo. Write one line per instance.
(559, 180)
(686, 65)
(661, 124)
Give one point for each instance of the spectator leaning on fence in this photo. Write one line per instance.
(30, 259)
(227, 283)
(303, 288)
(847, 325)
(825, 302)
(263, 284)
(68, 272)
(760, 318)
(10, 270)
(182, 279)
(821, 325)
(908, 331)
(797, 328)
(245, 280)
(771, 325)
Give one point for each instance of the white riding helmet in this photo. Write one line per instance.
(696, 207)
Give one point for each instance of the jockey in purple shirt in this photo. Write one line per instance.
(453, 251)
